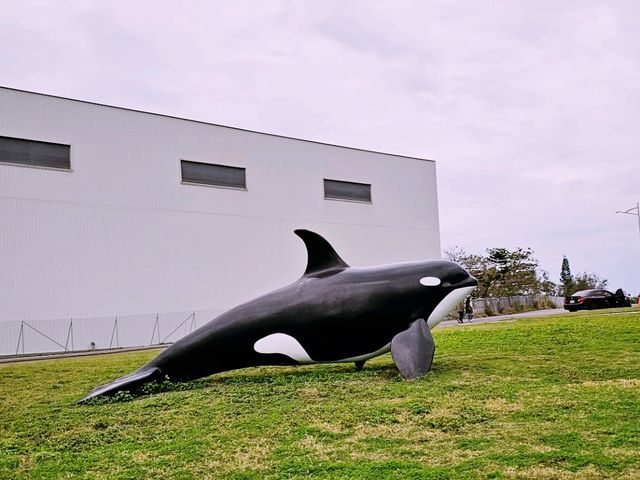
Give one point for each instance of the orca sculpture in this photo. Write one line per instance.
(333, 313)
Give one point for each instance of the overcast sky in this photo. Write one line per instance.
(531, 109)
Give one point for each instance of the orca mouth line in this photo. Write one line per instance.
(469, 282)
(447, 304)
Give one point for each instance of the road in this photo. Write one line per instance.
(500, 318)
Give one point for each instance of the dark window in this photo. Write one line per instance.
(210, 174)
(585, 293)
(340, 190)
(33, 153)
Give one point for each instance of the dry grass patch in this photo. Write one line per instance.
(617, 382)
(554, 473)
(501, 405)
(516, 400)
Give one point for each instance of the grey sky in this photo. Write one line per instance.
(531, 109)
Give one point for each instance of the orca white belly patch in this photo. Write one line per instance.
(283, 344)
(287, 345)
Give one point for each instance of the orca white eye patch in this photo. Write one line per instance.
(430, 281)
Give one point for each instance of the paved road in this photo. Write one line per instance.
(499, 318)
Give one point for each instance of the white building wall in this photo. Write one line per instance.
(120, 234)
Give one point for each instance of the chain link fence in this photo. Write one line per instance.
(498, 305)
(98, 333)
(114, 332)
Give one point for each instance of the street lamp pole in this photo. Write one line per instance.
(634, 211)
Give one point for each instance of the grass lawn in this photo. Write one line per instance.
(538, 398)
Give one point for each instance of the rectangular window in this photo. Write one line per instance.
(210, 174)
(34, 153)
(340, 190)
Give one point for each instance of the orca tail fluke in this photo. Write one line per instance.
(126, 383)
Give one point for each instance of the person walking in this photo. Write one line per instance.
(461, 313)
(468, 308)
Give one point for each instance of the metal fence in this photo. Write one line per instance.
(112, 332)
(98, 333)
(500, 304)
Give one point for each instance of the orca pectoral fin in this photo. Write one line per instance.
(413, 350)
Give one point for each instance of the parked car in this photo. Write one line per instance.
(596, 298)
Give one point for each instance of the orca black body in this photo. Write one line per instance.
(333, 313)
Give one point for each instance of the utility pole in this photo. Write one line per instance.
(634, 211)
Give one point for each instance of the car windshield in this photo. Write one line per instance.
(583, 293)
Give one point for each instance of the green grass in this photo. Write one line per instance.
(541, 398)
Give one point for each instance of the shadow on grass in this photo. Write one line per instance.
(147, 389)
(306, 374)
(259, 376)
(277, 376)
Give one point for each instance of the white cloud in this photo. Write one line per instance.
(531, 109)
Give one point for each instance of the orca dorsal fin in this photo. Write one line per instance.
(320, 254)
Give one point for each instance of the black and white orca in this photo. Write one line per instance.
(333, 313)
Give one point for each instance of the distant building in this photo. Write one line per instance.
(107, 210)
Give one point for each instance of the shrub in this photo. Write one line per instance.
(518, 307)
(545, 302)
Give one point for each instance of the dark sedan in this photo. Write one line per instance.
(596, 298)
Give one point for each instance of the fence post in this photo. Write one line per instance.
(156, 327)
(20, 338)
(115, 333)
(69, 336)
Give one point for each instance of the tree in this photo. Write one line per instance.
(566, 279)
(584, 281)
(546, 286)
(456, 254)
(502, 272)
(507, 273)
(476, 265)
(511, 272)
